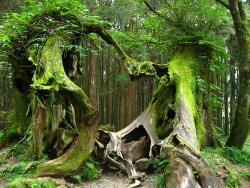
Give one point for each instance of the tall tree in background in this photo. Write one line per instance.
(241, 123)
(92, 69)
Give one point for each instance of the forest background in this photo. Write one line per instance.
(141, 34)
(145, 36)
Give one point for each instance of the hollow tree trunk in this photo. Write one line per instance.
(171, 122)
(52, 78)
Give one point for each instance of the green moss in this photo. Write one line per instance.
(135, 68)
(180, 71)
(22, 182)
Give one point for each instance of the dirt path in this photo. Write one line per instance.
(116, 180)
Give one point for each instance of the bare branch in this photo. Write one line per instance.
(154, 11)
(170, 6)
(224, 4)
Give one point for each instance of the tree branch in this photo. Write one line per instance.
(154, 11)
(224, 4)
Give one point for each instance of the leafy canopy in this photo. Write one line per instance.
(40, 20)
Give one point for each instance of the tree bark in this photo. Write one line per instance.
(37, 131)
(122, 101)
(92, 75)
(219, 110)
(226, 123)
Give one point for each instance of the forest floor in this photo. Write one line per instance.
(230, 165)
(229, 175)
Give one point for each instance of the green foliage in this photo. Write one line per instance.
(76, 178)
(237, 156)
(6, 118)
(215, 100)
(158, 165)
(11, 173)
(29, 183)
(21, 149)
(88, 172)
(246, 147)
(40, 20)
(200, 84)
(1, 134)
(217, 157)
(233, 178)
(161, 181)
(123, 78)
(230, 153)
(107, 127)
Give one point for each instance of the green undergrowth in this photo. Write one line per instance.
(15, 160)
(229, 163)
(16, 170)
(29, 183)
(12, 173)
(88, 172)
(159, 166)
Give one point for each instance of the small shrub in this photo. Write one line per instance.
(158, 165)
(89, 172)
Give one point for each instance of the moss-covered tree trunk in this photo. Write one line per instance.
(172, 122)
(186, 137)
(51, 77)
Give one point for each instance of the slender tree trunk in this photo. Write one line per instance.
(108, 100)
(102, 88)
(92, 75)
(122, 102)
(139, 96)
(219, 110)
(232, 96)
(131, 103)
(226, 125)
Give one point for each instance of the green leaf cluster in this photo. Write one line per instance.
(88, 172)
(30, 29)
